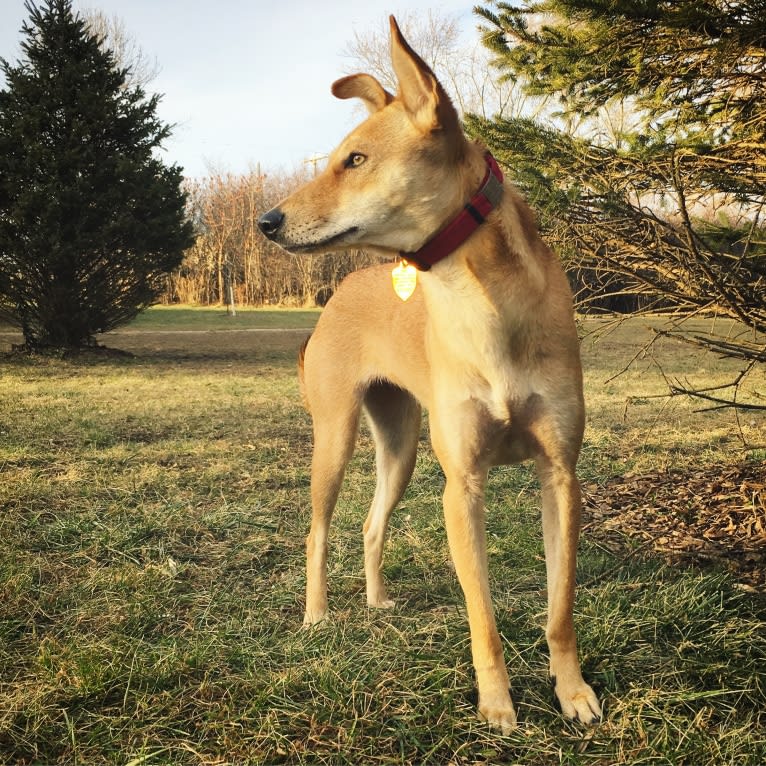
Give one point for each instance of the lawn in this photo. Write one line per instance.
(154, 509)
(216, 318)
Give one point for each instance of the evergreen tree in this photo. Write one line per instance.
(668, 205)
(91, 220)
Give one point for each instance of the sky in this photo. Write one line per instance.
(246, 83)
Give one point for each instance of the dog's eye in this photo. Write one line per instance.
(354, 160)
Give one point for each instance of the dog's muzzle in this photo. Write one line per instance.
(271, 222)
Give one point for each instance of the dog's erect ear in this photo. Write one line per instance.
(426, 101)
(363, 86)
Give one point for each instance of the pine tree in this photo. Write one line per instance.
(91, 220)
(668, 204)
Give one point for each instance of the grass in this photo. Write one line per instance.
(153, 513)
(212, 318)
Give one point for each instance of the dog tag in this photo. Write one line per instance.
(405, 279)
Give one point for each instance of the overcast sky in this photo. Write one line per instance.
(247, 81)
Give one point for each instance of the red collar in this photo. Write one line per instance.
(467, 221)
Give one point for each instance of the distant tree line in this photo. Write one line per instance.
(231, 262)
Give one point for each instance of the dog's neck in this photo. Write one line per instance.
(460, 228)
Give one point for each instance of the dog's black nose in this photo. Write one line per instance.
(270, 222)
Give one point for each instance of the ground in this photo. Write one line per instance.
(154, 509)
(714, 515)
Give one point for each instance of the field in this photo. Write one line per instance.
(154, 510)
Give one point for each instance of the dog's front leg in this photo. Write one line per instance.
(465, 522)
(561, 527)
(464, 515)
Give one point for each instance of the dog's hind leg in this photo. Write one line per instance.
(335, 430)
(561, 528)
(394, 417)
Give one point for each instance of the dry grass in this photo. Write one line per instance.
(153, 513)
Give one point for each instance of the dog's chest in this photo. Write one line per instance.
(494, 355)
(484, 362)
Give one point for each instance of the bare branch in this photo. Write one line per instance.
(114, 36)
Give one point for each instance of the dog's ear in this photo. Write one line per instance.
(423, 96)
(363, 86)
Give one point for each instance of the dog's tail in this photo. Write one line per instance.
(301, 373)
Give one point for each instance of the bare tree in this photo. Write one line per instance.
(115, 37)
(466, 70)
(230, 256)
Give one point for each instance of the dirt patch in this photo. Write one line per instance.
(711, 516)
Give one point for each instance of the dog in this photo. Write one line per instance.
(482, 335)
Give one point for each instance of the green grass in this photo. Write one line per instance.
(159, 318)
(209, 318)
(152, 573)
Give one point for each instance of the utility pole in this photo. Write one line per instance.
(314, 160)
(231, 309)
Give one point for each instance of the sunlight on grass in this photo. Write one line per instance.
(178, 318)
(154, 512)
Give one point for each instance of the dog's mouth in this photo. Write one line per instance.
(322, 244)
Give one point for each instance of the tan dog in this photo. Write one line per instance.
(486, 342)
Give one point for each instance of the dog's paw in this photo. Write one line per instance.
(501, 719)
(499, 712)
(385, 603)
(312, 617)
(377, 595)
(578, 701)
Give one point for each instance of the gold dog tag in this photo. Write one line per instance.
(405, 279)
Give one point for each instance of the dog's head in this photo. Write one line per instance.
(392, 182)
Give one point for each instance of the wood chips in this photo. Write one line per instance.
(715, 515)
